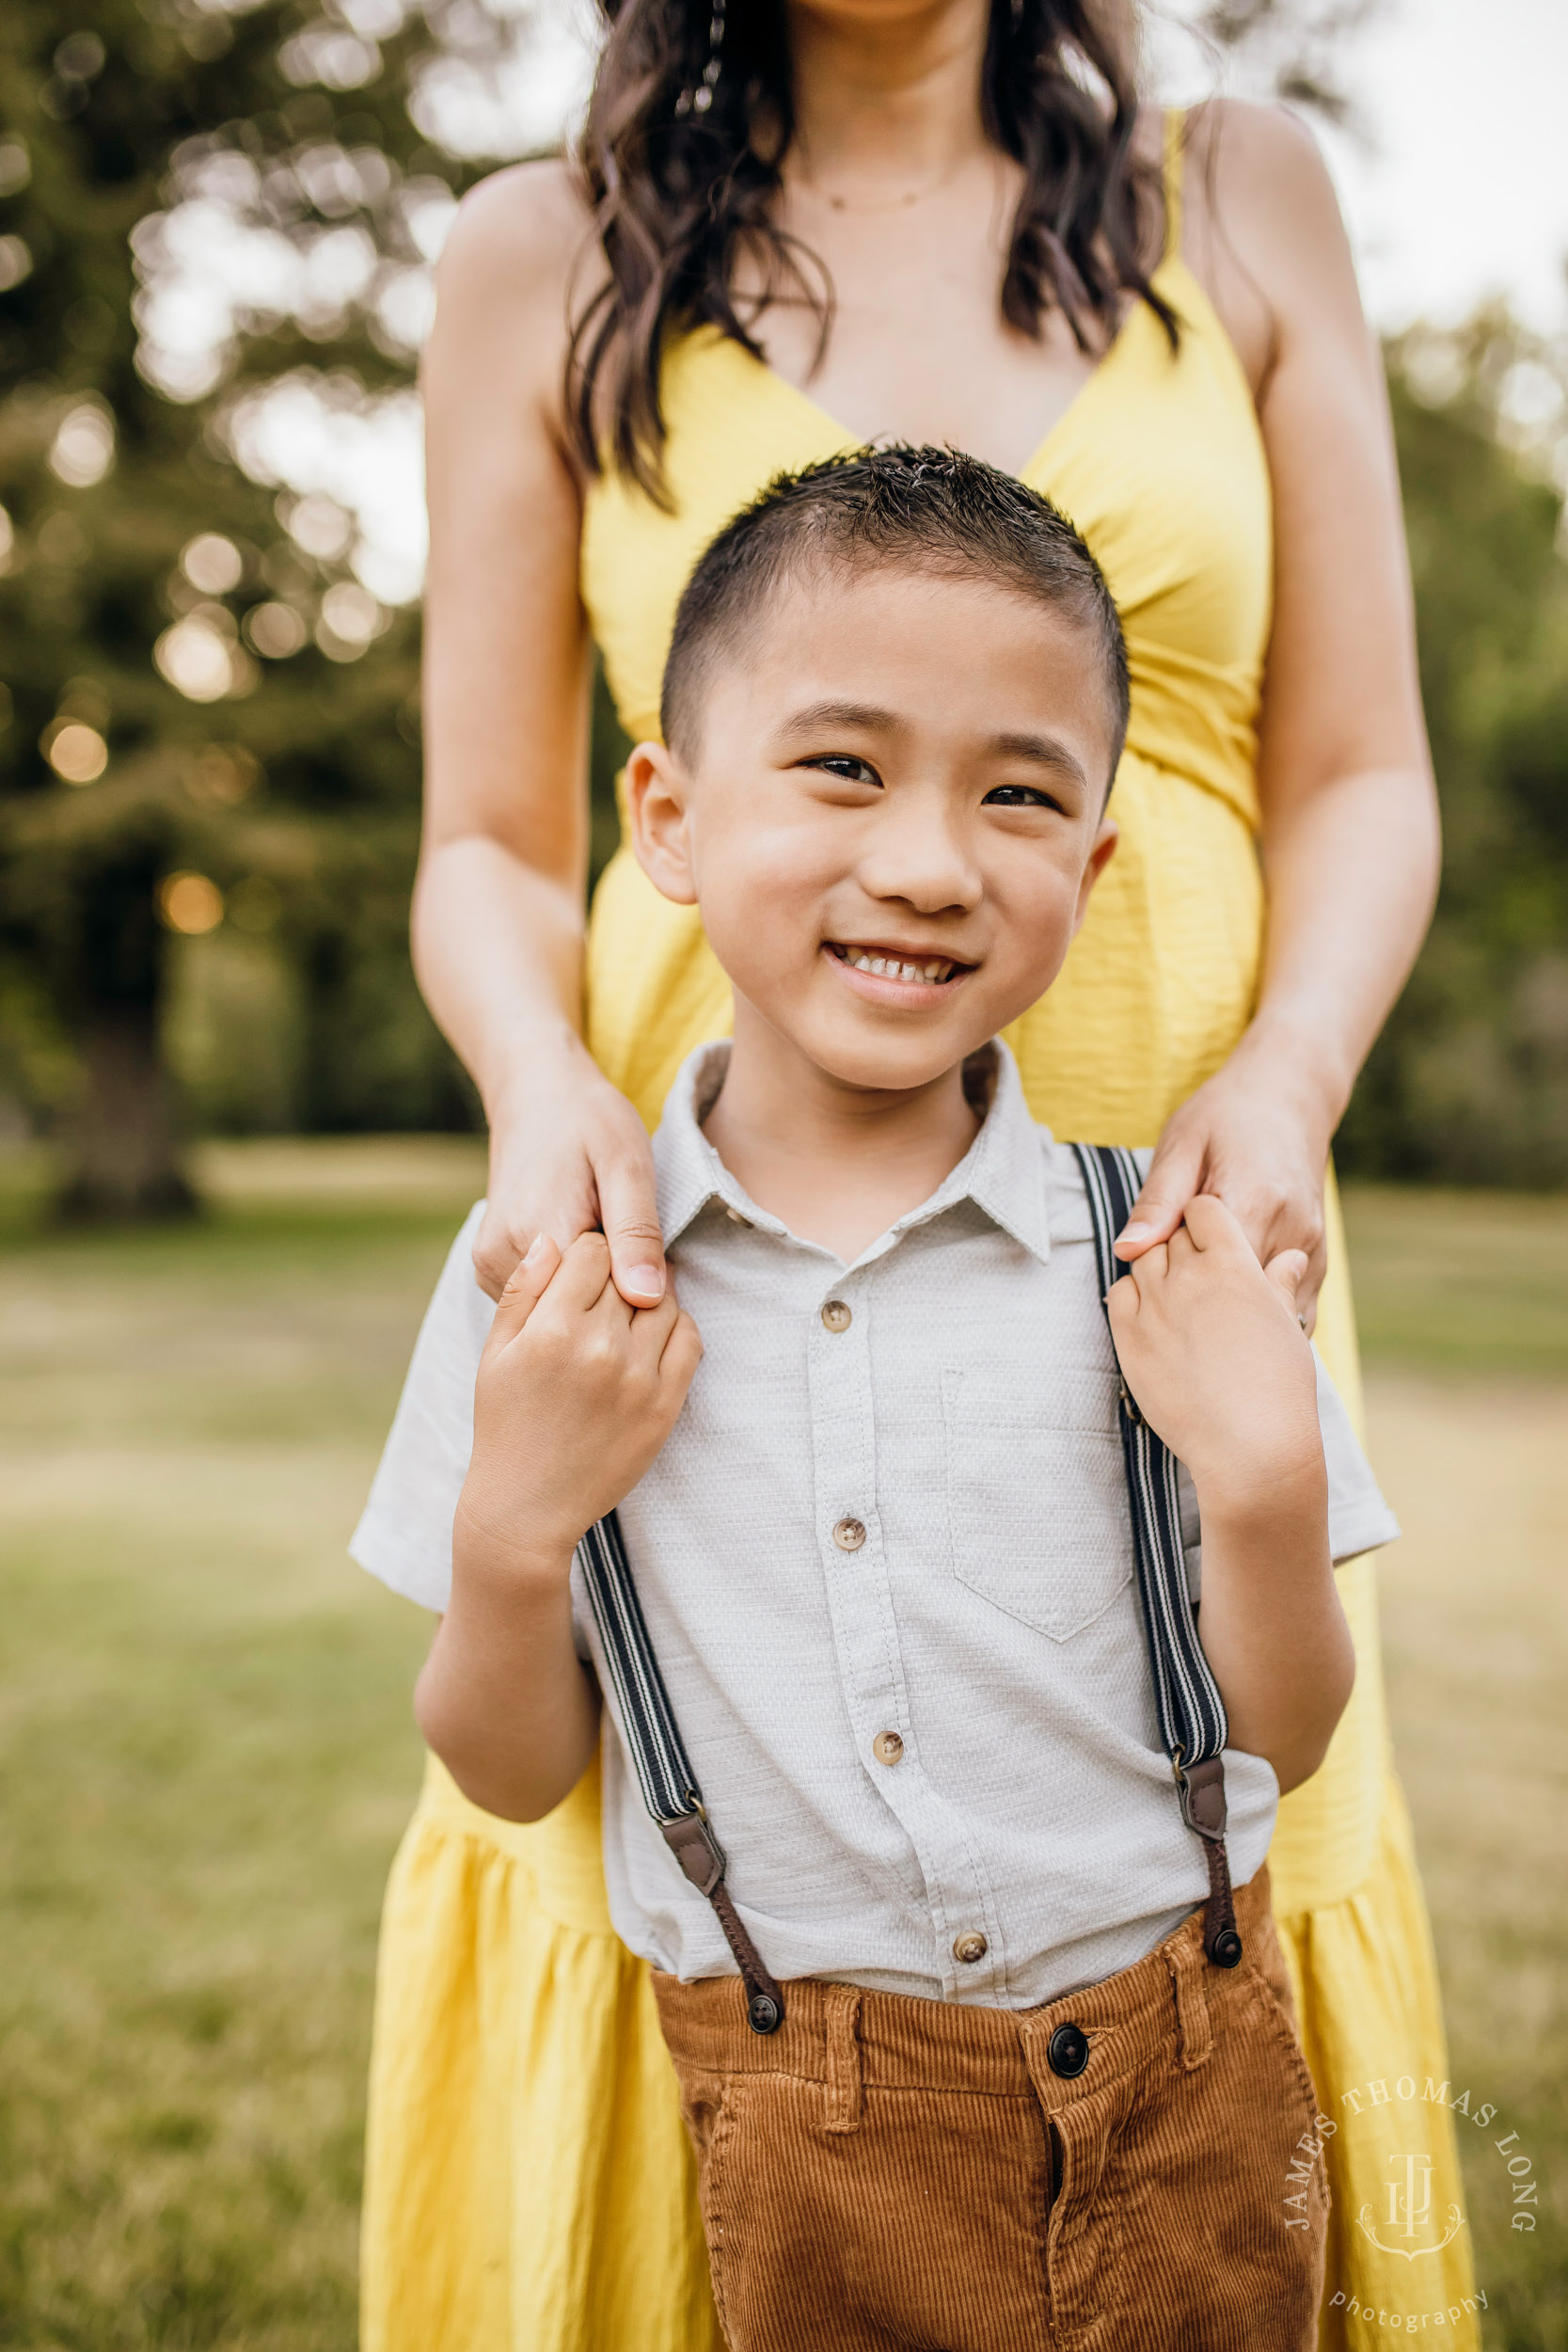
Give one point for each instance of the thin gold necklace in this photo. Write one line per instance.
(913, 196)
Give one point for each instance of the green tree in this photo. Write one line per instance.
(1469, 1082)
(198, 683)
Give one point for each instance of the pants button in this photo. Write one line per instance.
(1068, 2051)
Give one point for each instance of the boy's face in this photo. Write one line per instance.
(892, 816)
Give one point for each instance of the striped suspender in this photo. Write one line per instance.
(1191, 1710)
(669, 1784)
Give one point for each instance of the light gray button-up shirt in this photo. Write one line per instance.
(886, 1562)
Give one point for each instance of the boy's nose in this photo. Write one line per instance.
(922, 861)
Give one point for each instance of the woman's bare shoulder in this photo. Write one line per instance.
(513, 272)
(1262, 228)
(526, 231)
(1255, 158)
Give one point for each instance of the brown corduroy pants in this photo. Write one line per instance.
(885, 2174)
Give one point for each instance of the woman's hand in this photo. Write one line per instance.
(569, 1155)
(1256, 1136)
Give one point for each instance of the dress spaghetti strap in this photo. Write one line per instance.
(1175, 157)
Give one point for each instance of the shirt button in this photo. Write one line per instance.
(836, 1315)
(969, 1947)
(850, 1535)
(887, 1747)
(735, 1218)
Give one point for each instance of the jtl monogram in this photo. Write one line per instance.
(1413, 2200)
(1410, 2209)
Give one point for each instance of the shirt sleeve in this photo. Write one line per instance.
(405, 1536)
(1358, 1518)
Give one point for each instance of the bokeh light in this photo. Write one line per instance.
(213, 563)
(76, 752)
(274, 629)
(84, 446)
(190, 904)
(196, 659)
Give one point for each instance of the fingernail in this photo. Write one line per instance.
(647, 1281)
(1135, 1233)
(536, 1249)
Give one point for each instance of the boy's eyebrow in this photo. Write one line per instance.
(1045, 750)
(833, 713)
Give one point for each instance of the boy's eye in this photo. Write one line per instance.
(1018, 796)
(844, 764)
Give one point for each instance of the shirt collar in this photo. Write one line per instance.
(1002, 1171)
(690, 1171)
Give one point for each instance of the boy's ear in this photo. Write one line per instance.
(1099, 857)
(656, 792)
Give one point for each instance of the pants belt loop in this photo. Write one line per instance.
(844, 2095)
(1194, 2034)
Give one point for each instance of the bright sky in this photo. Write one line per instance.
(1462, 191)
(1470, 194)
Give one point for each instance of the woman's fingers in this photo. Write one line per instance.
(1287, 1272)
(1147, 1269)
(1282, 1220)
(628, 1212)
(1171, 1181)
(597, 1175)
(499, 1249)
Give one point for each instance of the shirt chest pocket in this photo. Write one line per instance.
(1037, 1498)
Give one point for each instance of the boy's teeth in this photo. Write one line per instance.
(896, 968)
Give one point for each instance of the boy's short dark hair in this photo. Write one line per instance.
(931, 510)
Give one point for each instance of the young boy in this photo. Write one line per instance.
(1014, 2088)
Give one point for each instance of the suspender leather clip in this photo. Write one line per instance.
(702, 1858)
(696, 1849)
(1201, 1788)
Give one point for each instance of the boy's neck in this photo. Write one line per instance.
(837, 1163)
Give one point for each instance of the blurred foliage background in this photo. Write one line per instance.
(216, 226)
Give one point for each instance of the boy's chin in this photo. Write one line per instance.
(888, 1066)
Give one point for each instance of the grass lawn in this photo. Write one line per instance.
(208, 1754)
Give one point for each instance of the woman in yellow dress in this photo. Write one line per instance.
(797, 226)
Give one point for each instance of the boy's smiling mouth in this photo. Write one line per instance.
(900, 969)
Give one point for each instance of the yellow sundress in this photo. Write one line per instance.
(529, 2184)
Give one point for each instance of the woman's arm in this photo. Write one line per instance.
(499, 903)
(1350, 841)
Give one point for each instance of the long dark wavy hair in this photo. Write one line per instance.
(683, 170)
